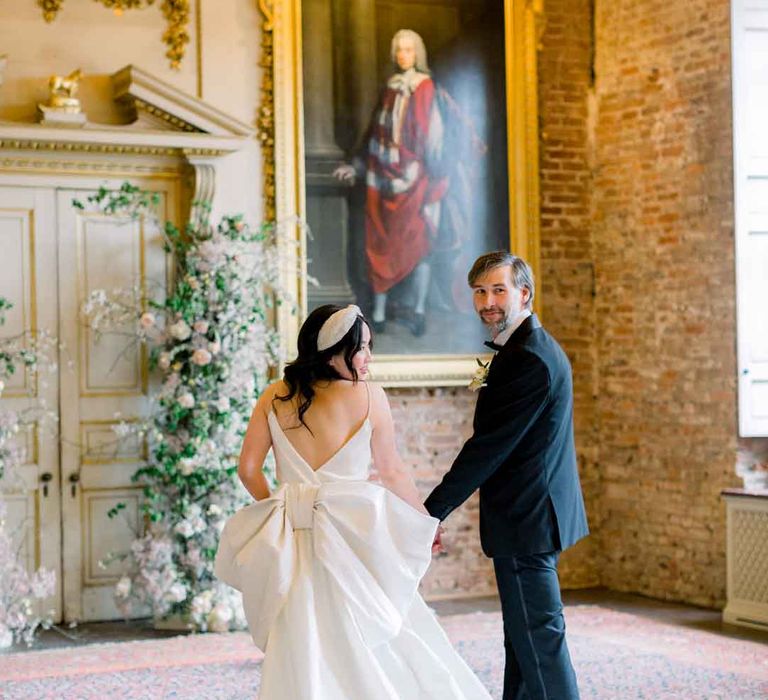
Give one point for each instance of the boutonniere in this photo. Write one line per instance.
(480, 375)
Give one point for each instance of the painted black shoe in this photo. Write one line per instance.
(418, 325)
(378, 326)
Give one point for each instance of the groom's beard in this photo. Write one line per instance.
(497, 326)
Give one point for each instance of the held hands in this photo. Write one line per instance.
(437, 544)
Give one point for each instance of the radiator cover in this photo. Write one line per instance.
(747, 554)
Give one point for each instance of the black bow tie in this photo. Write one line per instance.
(492, 345)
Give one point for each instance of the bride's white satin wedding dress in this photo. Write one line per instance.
(329, 567)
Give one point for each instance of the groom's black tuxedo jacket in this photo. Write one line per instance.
(522, 454)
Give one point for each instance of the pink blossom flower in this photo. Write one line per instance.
(180, 330)
(186, 400)
(201, 357)
(164, 361)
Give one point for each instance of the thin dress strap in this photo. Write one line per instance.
(368, 390)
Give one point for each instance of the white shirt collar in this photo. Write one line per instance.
(514, 324)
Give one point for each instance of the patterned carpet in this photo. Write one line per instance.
(617, 656)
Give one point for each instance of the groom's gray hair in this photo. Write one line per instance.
(522, 274)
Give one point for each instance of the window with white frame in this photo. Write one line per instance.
(749, 41)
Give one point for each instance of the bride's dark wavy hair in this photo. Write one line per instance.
(312, 365)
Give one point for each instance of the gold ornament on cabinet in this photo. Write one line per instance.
(176, 13)
(63, 108)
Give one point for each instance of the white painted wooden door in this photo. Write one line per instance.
(107, 383)
(28, 280)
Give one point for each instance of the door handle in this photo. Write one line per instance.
(74, 478)
(45, 477)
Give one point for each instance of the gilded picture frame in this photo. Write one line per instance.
(281, 130)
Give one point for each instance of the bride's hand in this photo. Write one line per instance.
(437, 544)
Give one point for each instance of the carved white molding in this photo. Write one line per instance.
(149, 98)
(205, 182)
(170, 131)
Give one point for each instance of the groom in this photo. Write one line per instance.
(523, 459)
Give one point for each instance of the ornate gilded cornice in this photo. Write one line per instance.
(109, 148)
(179, 124)
(76, 166)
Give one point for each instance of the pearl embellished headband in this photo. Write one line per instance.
(336, 326)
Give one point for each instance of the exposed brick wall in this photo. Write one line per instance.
(567, 270)
(432, 425)
(663, 250)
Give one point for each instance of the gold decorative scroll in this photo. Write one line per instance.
(50, 8)
(176, 13)
(266, 120)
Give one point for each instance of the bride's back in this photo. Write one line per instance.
(337, 412)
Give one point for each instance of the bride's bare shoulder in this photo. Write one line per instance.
(271, 392)
(379, 400)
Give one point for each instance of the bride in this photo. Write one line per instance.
(329, 563)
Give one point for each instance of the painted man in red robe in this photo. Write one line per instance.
(403, 188)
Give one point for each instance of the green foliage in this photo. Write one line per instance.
(210, 346)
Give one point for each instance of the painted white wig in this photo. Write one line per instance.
(418, 42)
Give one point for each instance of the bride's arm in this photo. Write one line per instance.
(255, 448)
(393, 473)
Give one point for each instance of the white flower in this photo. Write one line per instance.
(214, 347)
(201, 604)
(177, 592)
(164, 361)
(123, 587)
(201, 326)
(220, 617)
(222, 404)
(184, 528)
(186, 400)
(186, 465)
(180, 330)
(201, 357)
(147, 320)
(6, 637)
(2, 386)
(481, 374)
(214, 510)
(43, 583)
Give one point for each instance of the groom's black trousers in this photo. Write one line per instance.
(538, 665)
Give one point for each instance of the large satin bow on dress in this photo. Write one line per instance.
(375, 547)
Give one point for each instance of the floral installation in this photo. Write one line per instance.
(19, 590)
(480, 376)
(212, 346)
(19, 620)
